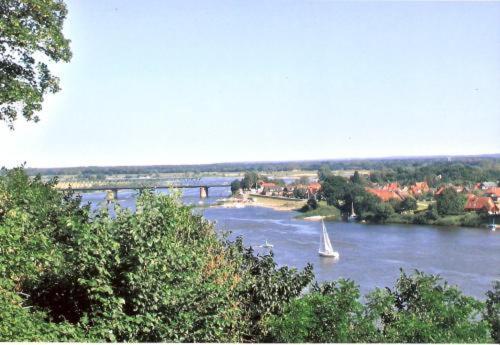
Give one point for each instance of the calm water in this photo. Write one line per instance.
(369, 254)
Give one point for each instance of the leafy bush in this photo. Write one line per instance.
(159, 274)
(450, 202)
(492, 312)
(421, 310)
(330, 313)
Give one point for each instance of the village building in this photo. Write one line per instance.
(458, 189)
(269, 188)
(313, 188)
(493, 192)
(393, 186)
(480, 204)
(385, 195)
(419, 188)
(487, 184)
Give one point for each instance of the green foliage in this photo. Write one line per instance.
(159, 274)
(408, 204)
(250, 180)
(382, 212)
(431, 213)
(235, 186)
(331, 313)
(421, 310)
(323, 172)
(30, 36)
(300, 193)
(356, 178)
(266, 290)
(492, 312)
(312, 204)
(450, 202)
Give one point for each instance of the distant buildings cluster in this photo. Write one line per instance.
(482, 197)
(305, 191)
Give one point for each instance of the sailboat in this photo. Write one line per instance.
(353, 215)
(325, 247)
(267, 245)
(492, 226)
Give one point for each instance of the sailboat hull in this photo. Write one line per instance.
(328, 255)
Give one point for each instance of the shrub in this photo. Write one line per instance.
(422, 310)
(492, 312)
(331, 313)
(159, 274)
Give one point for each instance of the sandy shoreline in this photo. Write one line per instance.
(262, 201)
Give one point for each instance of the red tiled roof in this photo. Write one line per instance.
(391, 186)
(480, 203)
(493, 190)
(384, 195)
(314, 187)
(419, 187)
(267, 184)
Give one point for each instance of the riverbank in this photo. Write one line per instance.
(469, 220)
(323, 211)
(276, 203)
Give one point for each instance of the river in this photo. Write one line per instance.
(371, 255)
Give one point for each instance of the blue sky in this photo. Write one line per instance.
(176, 82)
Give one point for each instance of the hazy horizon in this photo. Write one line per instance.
(485, 155)
(186, 82)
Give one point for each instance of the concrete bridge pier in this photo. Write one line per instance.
(111, 194)
(203, 192)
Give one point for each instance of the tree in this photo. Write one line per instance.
(30, 37)
(300, 193)
(158, 274)
(331, 313)
(235, 186)
(311, 204)
(407, 204)
(356, 178)
(492, 312)
(450, 202)
(250, 180)
(266, 290)
(334, 190)
(323, 172)
(343, 194)
(382, 212)
(420, 309)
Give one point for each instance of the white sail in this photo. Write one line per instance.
(328, 246)
(325, 246)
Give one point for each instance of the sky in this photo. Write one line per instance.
(188, 82)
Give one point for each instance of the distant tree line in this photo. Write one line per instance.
(404, 170)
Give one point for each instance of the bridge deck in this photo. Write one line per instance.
(103, 188)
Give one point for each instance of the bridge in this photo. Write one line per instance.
(112, 191)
